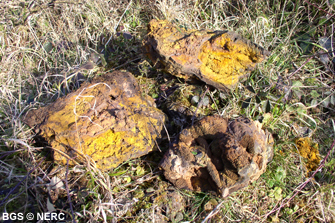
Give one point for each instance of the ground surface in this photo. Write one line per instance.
(47, 48)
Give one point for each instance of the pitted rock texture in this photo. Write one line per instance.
(219, 58)
(216, 156)
(108, 120)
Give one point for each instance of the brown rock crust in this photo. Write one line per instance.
(219, 58)
(107, 120)
(217, 156)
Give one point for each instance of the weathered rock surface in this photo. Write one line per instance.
(108, 120)
(219, 58)
(214, 155)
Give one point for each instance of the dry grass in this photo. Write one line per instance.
(47, 46)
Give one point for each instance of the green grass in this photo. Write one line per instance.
(43, 47)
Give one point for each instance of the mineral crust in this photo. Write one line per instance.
(219, 58)
(107, 120)
(216, 156)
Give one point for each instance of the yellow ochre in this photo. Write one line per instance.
(310, 151)
(227, 62)
(76, 127)
(219, 58)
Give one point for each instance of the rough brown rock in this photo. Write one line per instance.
(214, 155)
(219, 58)
(108, 120)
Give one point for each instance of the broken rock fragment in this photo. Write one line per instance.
(219, 58)
(108, 120)
(218, 156)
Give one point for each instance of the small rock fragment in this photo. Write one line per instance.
(108, 120)
(195, 100)
(219, 58)
(217, 156)
(173, 203)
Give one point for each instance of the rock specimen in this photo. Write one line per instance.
(108, 120)
(219, 58)
(214, 155)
